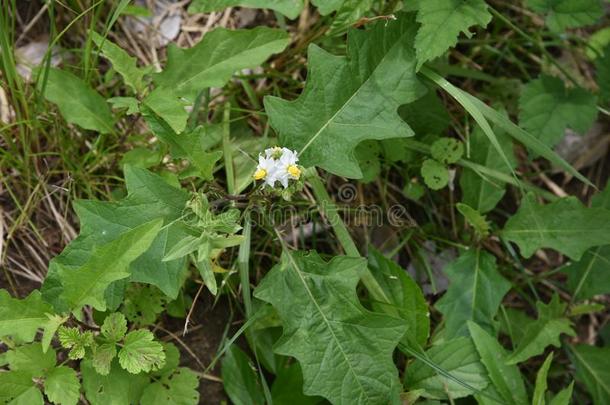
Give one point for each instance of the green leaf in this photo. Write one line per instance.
(103, 355)
(132, 104)
(149, 197)
(435, 174)
(329, 332)
(348, 14)
(143, 304)
(212, 61)
(140, 352)
(30, 358)
(505, 378)
(51, 326)
(447, 150)
(114, 327)
(475, 292)
(602, 72)
(592, 370)
(545, 331)
(23, 318)
(17, 387)
(564, 14)
(240, 379)
(168, 107)
(142, 157)
(426, 115)
(290, 8)
(541, 384)
(350, 99)
(442, 21)
(406, 298)
(479, 191)
(78, 103)
(513, 323)
(121, 62)
(86, 286)
(75, 340)
(588, 276)
(475, 219)
(457, 357)
(179, 388)
(564, 396)
(564, 225)
(62, 386)
(287, 388)
(117, 388)
(547, 108)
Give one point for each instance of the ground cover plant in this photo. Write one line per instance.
(304, 202)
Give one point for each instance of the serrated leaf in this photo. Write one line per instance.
(78, 103)
(589, 276)
(475, 219)
(140, 352)
(505, 378)
(103, 354)
(143, 304)
(564, 225)
(360, 93)
(435, 174)
(17, 387)
(180, 388)
(475, 292)
(328, 331)
(240, 379)
(442, 21)
(405, 296)
(290, 8)
(564, 14)
(547, 108)
(447, 150)
(30, 358)
(538, 397)
(86, 286)
(114, 327)
(124, 64)
(117, 388)
(479, 191)
(62, 386)
(592, 369)
(457, 357)
(49, 329)
(22, 318)
(75, 340)
(545, 331)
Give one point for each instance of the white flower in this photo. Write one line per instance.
(278, 164)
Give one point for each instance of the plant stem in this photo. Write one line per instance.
(226, 148)
(329, 208)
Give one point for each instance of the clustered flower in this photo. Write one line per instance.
(277, 164)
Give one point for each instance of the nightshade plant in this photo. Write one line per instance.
(337, 321)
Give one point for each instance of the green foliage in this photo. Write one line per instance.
(475, 219)
(458, 357)
(78, 103)
(177, 388)
(592, 370)
(240, 378)
(545, 331)
(475, 292)
(564, 14)
(406, 298)
(564, 225)
(125, 65)
(358, 367)
(62, 386)
(435, 174)
(447, 150)
(140, 352)
(602, 69)
(22, 318)
(442, 21)
(287, 388)
(541, 381)
(290, 8)
(75, 340)
(547, 108)
(506, 379)
(361, 91)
